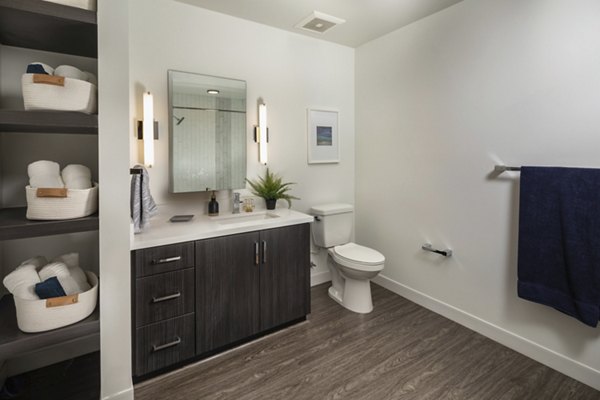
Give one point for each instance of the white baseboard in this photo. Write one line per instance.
(124, 395)
(319, 277)
(552, 359)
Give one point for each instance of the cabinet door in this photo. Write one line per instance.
(284, 275)
(226, 290)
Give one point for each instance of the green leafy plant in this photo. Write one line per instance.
(271, 188)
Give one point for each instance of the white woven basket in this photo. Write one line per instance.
(78, 203)
(48, 314)
(85, 4)
(71, 95)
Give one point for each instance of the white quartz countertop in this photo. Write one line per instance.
(162, 232)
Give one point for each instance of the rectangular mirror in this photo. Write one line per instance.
(207, 145)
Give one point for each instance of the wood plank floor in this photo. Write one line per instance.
(399, 351)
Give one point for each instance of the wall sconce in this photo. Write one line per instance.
(261, 133)
(148, 130)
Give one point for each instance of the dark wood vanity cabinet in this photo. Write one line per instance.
(227, 279)
(249, 283)
(284, 275)
(163, 317)
(217, 292)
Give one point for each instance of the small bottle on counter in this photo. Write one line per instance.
(213, 206)
(248, 205)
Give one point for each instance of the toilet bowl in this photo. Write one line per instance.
(352, 266)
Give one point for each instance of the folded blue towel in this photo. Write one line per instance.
(36, 69)
(559, 229)
(51, 287)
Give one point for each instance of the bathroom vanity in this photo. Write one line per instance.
(212, 283)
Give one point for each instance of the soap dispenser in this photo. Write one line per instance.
(213, 206)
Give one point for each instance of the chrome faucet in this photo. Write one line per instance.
(236, 203)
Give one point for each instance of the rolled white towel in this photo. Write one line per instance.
(63, 274)
(68, 71)
(38, 261)
(77, 176)
(21, 282)
(46, 181)
(79, 183)
(44, 174)
(43, 167)
(76, 171)
(71, 260)
(91, 78)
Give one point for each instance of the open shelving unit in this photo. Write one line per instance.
(13, 342)
(14, 225)
(41, 25)
(48, 122)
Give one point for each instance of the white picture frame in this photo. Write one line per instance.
(323, 137)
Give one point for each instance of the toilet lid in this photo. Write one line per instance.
(359, 254)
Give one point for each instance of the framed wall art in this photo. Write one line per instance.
(323, 137)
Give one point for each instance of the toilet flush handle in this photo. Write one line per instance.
(317, 218)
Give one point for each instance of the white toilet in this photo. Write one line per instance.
(352, 266)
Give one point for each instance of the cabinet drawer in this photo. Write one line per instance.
(156, 260)
(164, 343)
(164, 296)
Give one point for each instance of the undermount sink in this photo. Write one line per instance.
(244, 218)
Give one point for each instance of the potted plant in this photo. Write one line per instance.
(271, 188)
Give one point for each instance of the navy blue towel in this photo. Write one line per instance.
(559, 240)
(36, 69)
(51, 287)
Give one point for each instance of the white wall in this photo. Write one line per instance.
(115, 127)
(139, 41)
(439, 103)
(289, 71)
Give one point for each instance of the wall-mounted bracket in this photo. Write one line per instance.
(429, 247)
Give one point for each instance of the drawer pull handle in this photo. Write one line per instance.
(165, 298)
(167, 345)
(166, 260)
(264, 243)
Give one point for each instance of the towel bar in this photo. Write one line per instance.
(135, 171)
(502, 168)
(429, 247)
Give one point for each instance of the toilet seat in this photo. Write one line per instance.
(358, 257)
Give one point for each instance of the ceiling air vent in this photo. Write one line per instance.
(318, 22)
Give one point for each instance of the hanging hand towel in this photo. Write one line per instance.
(142, 203)
(559, 227)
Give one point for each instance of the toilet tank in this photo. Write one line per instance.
(333, 225)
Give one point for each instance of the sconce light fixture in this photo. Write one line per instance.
(148, 129)
(261, 133)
